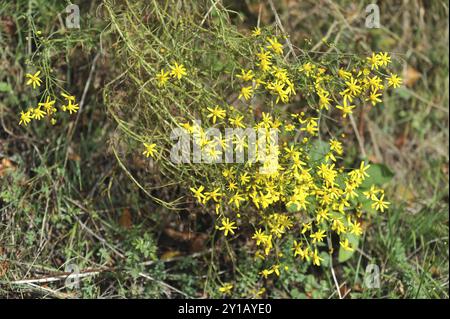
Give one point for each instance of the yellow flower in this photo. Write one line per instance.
(317, 236)
(266, 272)
(38, 113)
(372, 192)
(379, 204)
(178, 70)
(246, 92)
(69, 98)
(25, 117)
(34, 79)
(227, 226)
(150, 150)
(237, 121)
(306, 227)
(232, 186)
(362, 171)
(256, 31)
(338, 226)
(307, 68)
(316, 259)
(215, 113)
(345, 108)
(276, 270)
(344, 74)
(264, 55)
(355, 228)
(375, 83)
(384, 59)
(289, 128)
(236, 199)
(305, 254)
(346, 245)
(226, 288)
(264, 65)
(244, 178)
(297, 248)
(245, 75)
(275, 46)
(374, 61)
(324, 100)
(72, 108)
(336, 146)
(188, 127)
(373, 97)
(353, 87)
(198, 193)
(260, 237)
(394, 80)
(162, 77)
(48, 105)
(322, 214)
(215, 195)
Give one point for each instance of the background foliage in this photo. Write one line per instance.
(66, 199)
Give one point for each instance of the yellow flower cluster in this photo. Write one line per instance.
(46, 108)
(177, 71)
(296, 188)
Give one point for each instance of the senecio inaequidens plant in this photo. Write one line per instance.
(180, 75)
(183, 76)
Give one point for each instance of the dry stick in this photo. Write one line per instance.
(115, 250)
(197, 254)
(363, 253)
(100, 238)
(338, 289)
(327, 35)
(437, 106)
(426, 244)
(93, 272)
(346, 292)
(259, 15)
(358, 137)
(209, 11)
(48, 291)
(83, 97)
(334, 292)
(63, 276)
(162, 283)
(375, 145)
(280, 25)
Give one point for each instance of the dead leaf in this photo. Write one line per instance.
(411, 76)
(4, 266)
(178, 235)
(5, 165)
(198, 244)
(196, 241)
(8, 25)
(345, 291)
(170, 254)
(73, 156)
(357, 288)
(125, 219)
